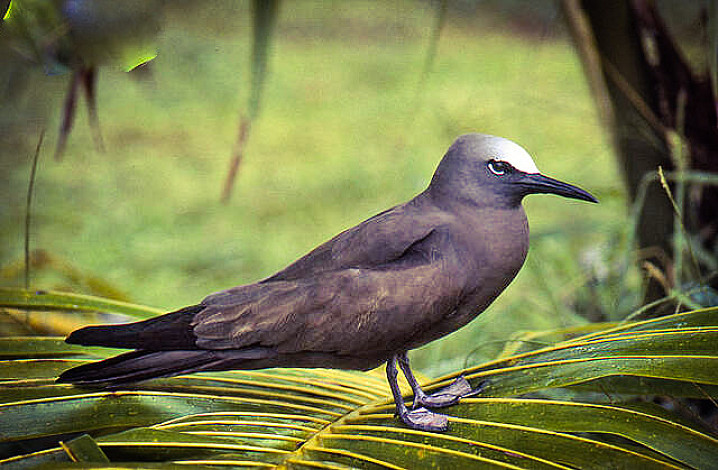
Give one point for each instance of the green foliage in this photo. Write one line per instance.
(61, 301)
(567, 398)
(539, 408)
(265, 16)
(61, 35)
(338, 141)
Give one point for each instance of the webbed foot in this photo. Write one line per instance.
(424, 420)
(450, 395)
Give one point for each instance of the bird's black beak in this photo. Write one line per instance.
(536, 183)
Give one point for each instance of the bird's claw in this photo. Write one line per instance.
(451, 395)
(422, 419)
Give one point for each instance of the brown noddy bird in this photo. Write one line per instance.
(397, 281)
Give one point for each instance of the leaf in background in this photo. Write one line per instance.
(264, 15)
(78, 36)
(48, 312)
(713, 45)
(63, 301)
(4, 7)
(62, 34)
(107, 32)
(440, 21)
(72, 278)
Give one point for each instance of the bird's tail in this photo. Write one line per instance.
(169, 331)
(136, 366)
(165, 346)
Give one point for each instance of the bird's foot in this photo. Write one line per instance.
(451, 395)
(422, 419)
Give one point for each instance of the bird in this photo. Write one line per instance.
(401, 279)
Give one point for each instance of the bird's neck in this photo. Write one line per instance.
(456, 199)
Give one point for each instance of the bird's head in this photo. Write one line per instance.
(489, 170)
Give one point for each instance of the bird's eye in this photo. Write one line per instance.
(499, 168)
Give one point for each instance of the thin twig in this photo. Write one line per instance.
(89, 85)
(675, 140)
(431, 50)
(633, 96)
(28, 204)
(68, 115)
(583, 38)
(237, 154)
(679, 217)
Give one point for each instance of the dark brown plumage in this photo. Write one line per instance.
(398, 280)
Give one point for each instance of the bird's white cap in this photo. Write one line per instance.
(511, 153)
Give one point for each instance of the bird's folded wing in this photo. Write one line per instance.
(348, 311)
(379, 240)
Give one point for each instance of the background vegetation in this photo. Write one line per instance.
(345, 131)
(352, 121)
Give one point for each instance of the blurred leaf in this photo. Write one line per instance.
(713, 44)
(4, 9)
(62, 301)
(63, 34)
(47, 312)
(109, 32)
(84, 449)
(264, 16)
(78, 36)
(36, 32)
(439, 22)
(316, 418)
(42, 261)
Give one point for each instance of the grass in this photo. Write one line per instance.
(340, 137)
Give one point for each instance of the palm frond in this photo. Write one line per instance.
(570, 405)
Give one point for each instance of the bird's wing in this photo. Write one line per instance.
(347, 311)
(374, 242)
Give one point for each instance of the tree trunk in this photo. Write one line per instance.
(632, 62)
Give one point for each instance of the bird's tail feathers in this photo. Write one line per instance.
(169, 331)
(137, 366)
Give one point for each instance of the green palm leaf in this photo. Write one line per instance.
(330, 419)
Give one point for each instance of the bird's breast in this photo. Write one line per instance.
(499, 246)
(487, 253)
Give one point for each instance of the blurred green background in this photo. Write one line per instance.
(347, 128)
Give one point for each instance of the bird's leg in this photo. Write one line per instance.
(419, 418)
(419, 394)
(447, 396)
